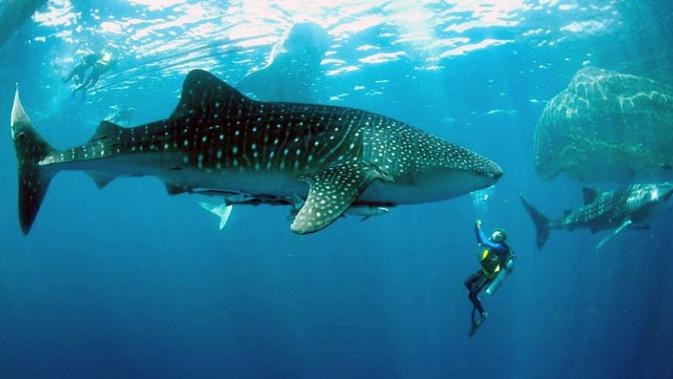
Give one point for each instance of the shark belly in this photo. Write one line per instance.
(405, 190)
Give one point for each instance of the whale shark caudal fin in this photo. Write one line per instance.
(613, 234)
(223, 211)
(36, 166)
(541, 223)
(31, 149)
(331, 192)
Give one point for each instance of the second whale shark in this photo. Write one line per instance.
(618, 209)
(219, 142)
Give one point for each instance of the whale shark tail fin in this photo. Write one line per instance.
(541, 222)
(223, 211)
(34, 178)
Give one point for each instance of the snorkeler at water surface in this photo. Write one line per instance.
(79, 71)
(99, 64)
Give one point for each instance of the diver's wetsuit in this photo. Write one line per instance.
(480, 279)
(87, 62)
(98, 69)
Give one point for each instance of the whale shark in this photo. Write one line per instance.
(618, 209)
(219, 142)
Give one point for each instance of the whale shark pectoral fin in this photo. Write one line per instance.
(331, 193)
(614, 233)
(223, 211)
(106, 132)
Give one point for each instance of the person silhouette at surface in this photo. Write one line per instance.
(78, 72)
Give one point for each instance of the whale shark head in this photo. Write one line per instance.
(647, 197)
(446, 170)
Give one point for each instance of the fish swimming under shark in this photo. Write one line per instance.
(219, 142)
(617, 210)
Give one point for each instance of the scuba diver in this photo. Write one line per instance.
(80, 70)
(496, 262)
(101, 66)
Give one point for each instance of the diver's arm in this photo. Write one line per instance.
(483, 240)
(479, 233)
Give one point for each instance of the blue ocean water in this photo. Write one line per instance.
(131, 282)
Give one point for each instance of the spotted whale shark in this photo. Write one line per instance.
(219, 142)
(614, 210)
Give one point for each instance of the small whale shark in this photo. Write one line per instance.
(616, 210)
(219, 142)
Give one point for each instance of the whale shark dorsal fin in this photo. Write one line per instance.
(106, 130)
(332, 191)
(203, 93)
(590, 194)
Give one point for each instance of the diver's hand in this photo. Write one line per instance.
(478, 223)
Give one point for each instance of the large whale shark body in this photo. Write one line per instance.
(219, 142)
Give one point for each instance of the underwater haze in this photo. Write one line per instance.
(129, 281)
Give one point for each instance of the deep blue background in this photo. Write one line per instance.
(130, 282)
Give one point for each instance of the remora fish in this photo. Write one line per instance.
(615, 210)
(219, 141)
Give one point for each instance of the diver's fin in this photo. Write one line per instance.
(34, 178)
(331, 193)
(223, 211)
(203, 93)
(477, 321)
(100, 178)
(541, 223)
(614, 233)
(590, 194)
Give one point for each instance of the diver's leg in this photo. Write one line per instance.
(483, 283)
(475, 301)
(472, 279)
(93, 80)
(75, 72)
(474, 285)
